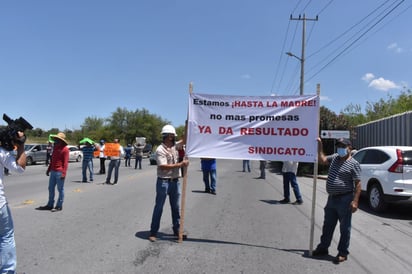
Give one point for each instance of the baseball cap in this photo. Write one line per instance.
(343, 141)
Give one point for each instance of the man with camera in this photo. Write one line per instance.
(10, 137)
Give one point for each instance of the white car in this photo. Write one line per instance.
(75, 154)
(386, 174)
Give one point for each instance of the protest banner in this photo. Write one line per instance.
(112, 149)
(281, 128)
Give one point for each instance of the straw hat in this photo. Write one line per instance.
(61, 136)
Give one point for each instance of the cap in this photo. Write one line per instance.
(343, 141)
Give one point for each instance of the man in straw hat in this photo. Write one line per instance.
(57, 171)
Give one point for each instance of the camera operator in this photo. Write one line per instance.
(13, 164)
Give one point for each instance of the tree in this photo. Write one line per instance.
(92, 124)
(354, 115)
(330, 121)
(380, 109)
(127, 125)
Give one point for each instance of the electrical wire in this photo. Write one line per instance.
(353, 42)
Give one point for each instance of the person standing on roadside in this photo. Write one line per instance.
(57, 171)
(209, 174)
(138, 151)
(102, 158)
(343, 186)
(289, 170)
(246, 165)
(167, 182)
(115, 163)
(262, 167)
(8, 258)
(87, 163)
(127, 155)
(49, 150)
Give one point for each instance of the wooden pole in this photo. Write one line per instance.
(183, 201)
(315, 177)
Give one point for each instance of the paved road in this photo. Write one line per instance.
(104, 229)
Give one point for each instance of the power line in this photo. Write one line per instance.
(356, 40)
(281, 55)
(325, 7)
(281, 66)
(345, 32)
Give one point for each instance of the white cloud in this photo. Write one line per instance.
(368, 77)
(324, 99)
(379, 83)
(382, 84)
(394, 47)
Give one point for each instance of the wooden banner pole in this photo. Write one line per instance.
(183, 201)
(315, 177)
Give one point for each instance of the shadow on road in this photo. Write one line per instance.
(144, 235)
(273, 202)
(399, 210)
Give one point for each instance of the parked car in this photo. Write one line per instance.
(75, 154)
(152, 158)
(386, 174)
(147, 151)
(35, 153)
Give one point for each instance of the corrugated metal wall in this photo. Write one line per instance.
(392, 131)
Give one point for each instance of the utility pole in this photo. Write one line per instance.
(302, 58)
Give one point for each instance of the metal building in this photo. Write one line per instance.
(390, 131)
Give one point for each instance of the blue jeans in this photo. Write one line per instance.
(212, 175)
(246, 165)
(56, 180)
(164, 188)
(262, 166)
(113, 164)
(127, 161)
(87, 165)
(138, 161)
(290, 177)
(337, 209)
(7, 243)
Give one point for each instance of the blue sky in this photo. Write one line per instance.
(63, 61)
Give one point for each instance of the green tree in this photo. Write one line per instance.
(354, 115)
(404, 102)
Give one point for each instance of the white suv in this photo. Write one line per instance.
(386, 174)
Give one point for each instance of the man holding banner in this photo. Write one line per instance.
(344, 188)
(167, 183)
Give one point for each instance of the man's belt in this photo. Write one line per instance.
(169, 180)
(341, 194)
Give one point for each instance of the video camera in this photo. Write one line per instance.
(9, 134)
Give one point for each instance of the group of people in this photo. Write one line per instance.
(58, 166)
(89, 149)
(343, 187)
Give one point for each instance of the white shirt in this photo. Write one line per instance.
(289, 166)
(9, 161)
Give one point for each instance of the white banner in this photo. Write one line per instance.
(277, 128)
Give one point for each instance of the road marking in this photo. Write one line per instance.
(28, 202)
